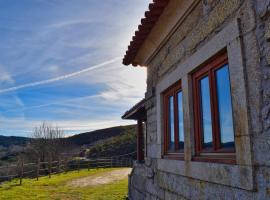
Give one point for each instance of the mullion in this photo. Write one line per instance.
(166, 139)
(198, 115)
(216, 111)
(213, 109)
(167, 128)
(176, 129)
(169, 122)
(202, 102)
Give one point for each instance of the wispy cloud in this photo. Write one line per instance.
(54, 103)
(66, 76)
(69, 23)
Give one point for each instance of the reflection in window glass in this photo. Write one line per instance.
(171, 123)
(180, 120)
(225, 107)
(206, 113)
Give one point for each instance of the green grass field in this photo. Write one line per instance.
(56, 188)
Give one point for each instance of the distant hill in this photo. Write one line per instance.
(7, 141)
(106, 142)
(101, 134)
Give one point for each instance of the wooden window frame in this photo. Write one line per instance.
(216, 153)
(178, 153)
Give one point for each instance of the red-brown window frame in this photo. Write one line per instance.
(172, 91)
(216, 154)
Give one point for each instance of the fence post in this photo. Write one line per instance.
(38, 168)
(50, 165)
(21, 170)
(65, 165)
(58, 166)
(78, 165)
(7, 174)
(88, 165)
(111, 162)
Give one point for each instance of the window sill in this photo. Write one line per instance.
(174, 156)
(220, 173)
(225, 159)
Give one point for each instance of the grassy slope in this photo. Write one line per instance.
(117, 145)
(56, 188)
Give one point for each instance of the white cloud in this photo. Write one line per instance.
(33, 84)
(5, 77)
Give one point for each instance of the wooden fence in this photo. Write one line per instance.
(35, 170)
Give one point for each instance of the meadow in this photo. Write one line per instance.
(104, 184)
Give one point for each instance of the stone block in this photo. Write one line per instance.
(261, 149)
(136, 195)
(139, 170)
(152, 188)
(243, 150)
(148, 161)
(230, 175)
(266, 112)
(138, 182)
(263, 7)
(268, 56)
(149, 173)
(172, 196)
(263, 182)
(267, 31)
(154, 150)
(151, 197)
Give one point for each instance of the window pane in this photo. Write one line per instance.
(225, 107)
(171, 124)
(180, 120)
(206, 113)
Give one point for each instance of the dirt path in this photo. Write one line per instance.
(101, 179)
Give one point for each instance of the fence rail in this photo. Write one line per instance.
(39, 169)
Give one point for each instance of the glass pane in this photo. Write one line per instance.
(171, 123)
(225, 107)
(180, 120)
(206, 113)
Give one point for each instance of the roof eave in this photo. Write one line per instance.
(138, 111)
(147, 23)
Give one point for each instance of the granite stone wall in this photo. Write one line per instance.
(161, 179)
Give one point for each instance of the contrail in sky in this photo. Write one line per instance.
(33, 84)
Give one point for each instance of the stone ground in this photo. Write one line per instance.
(101, 179)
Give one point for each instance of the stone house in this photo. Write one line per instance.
(207, 106)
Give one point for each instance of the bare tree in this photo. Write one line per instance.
(47, 142)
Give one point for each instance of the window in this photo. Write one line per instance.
(214, 132)
(174, 122)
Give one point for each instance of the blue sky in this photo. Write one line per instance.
(60, 62)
